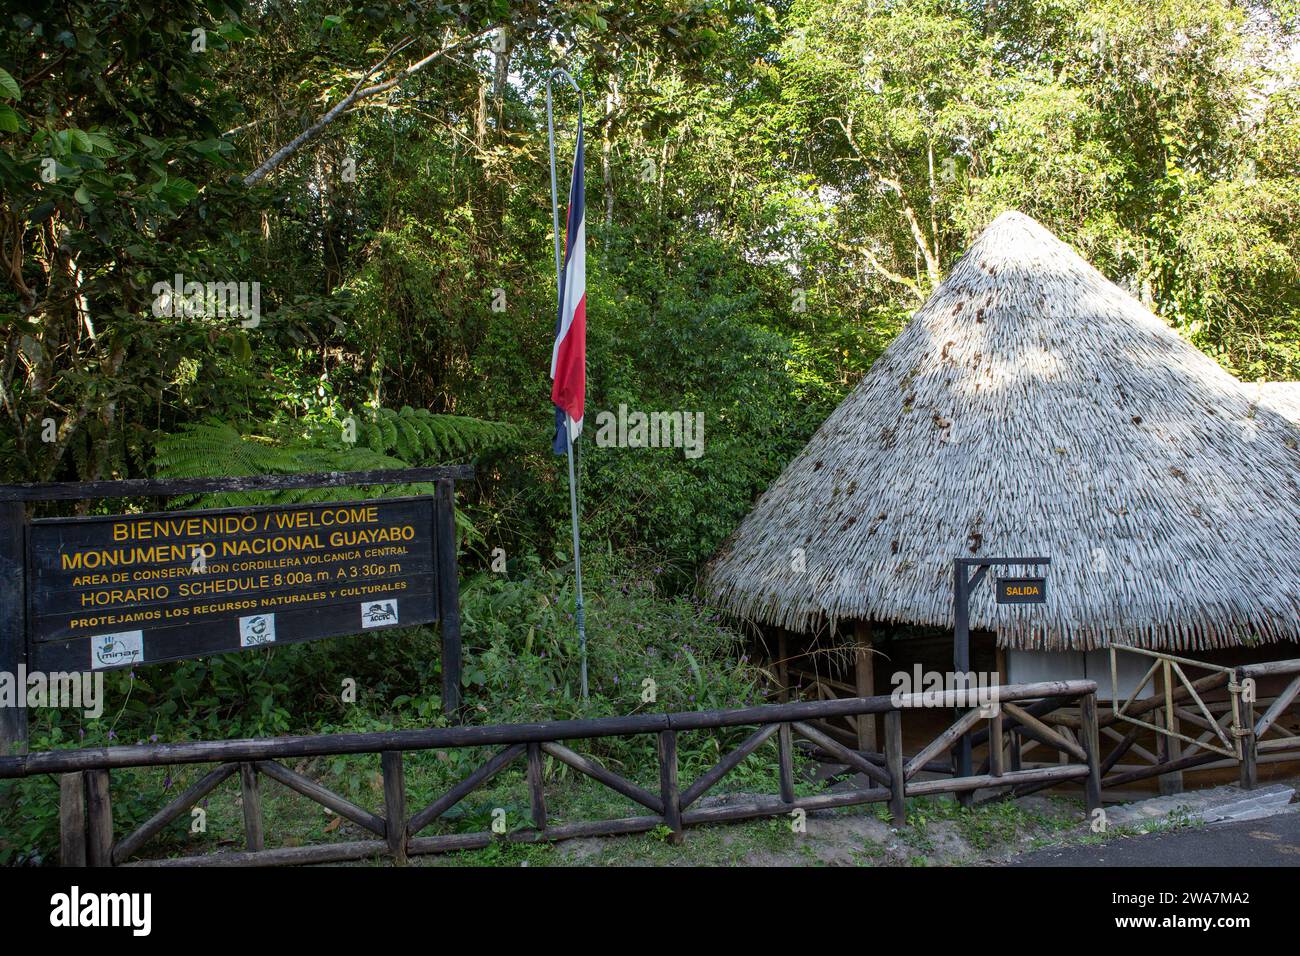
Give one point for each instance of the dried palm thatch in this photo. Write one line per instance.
(1282, 397)
(1031, 407)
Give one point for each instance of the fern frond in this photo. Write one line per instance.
(390, 440)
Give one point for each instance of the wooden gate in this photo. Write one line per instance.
(1231, 730)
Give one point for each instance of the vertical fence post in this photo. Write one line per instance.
(1089, 736)
(536, 786)
(894, 763)
(995, 741)
(72, 819)
(1171, 748)
(99, 819)
(1249, 770)
(390, 761)
(785, 752)
(668, 785)
(13, 612)
(448, 596)
(250, 795)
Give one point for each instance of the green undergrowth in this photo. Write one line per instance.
(647, 653)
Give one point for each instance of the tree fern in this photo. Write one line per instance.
(420, 437)
(387, 439)
(215, 449)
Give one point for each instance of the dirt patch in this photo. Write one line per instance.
(837, 840)
(938, 832)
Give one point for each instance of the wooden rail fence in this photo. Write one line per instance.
(1239, 729)
(88, 835)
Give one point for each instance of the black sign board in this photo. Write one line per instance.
(79, 594)
(119, 590)
(1022, 591)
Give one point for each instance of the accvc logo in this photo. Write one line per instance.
(378, 613)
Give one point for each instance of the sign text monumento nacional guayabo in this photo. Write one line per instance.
(131, 589)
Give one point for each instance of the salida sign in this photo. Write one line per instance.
(129, 589)
(1022, 591)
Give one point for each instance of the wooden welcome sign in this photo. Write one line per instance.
(137, 589)
(104, 592)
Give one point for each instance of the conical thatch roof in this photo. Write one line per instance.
(1282, 397)
(1031, 407)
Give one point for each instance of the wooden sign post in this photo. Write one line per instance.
(962, 586)
(13, 608)
(104, 592)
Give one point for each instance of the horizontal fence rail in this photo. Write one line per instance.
(86, 818)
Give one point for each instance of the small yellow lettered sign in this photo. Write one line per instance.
(1022, 590)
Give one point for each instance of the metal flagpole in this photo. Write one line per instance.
(573, 482)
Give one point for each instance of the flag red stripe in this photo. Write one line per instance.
(570, 386)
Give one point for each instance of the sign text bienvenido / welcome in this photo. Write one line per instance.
(127, 589)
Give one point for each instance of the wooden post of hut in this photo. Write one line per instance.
(865, 679)
(1249, 769)
(782, 666)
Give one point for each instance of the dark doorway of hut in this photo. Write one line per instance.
(857, 658)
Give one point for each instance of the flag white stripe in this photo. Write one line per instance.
(575, 287)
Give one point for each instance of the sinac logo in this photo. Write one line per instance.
(256, 631)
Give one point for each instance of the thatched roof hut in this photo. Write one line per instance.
(1282, 397)
(1032, 407)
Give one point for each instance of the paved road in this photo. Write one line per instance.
(1273, 841)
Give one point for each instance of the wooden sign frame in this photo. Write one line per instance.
(38, 600)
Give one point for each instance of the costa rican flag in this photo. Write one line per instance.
(569, 356)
